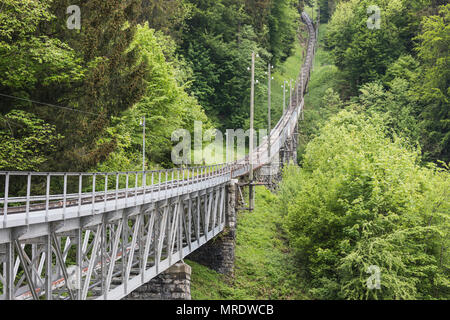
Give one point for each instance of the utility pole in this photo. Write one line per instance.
(284, 96)
(143, 142)
(252, 106)
(269, 120)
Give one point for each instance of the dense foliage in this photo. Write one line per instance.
(361, 198)
(91, 71)
(365, 195)
(218, 42)
(92, 85)
(407, 55)
(166, 105)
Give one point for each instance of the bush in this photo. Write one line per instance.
(362, 198)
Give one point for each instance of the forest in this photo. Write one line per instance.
(372, 188)
(372, 183)
(72, 99)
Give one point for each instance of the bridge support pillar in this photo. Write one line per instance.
(218, 254)
(173, 284)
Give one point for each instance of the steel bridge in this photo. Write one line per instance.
(117, 231)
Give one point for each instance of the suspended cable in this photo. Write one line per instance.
(49, 105)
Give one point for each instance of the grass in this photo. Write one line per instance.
(206, 284)
(264, 266)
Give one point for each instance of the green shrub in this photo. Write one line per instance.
(362, 198)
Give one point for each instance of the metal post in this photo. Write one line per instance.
(79, 259)
(269, 120)
(290, 93)
(93, 193)
(9, 290)
(48, 272)
(252, 105)
(117, 189)
(106, 191)
(284, 96)
(28, 198)
(126, 188)
(143, 143)
(65, 195)
(5, 206)
(80, 189)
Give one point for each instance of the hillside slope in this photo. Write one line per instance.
(264, 267)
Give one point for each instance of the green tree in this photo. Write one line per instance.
(26, 142)
(364, 54)
(29, 58)
(218, 41)
(218, 44)
(398, 106)
(113, 82)
(31, 61)
(360, 199)
(165, 104)
(433, 83)
(283, 23)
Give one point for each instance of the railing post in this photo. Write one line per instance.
(65, 195)
(159, 186)
(93, 193)
(80, 189)
(28, 198)
(183, 178)
(144, 184)
(126, 188)
(106, 190)
(136, 180)
(178, 181)
(5, 207)
(173, 175)
(152, 190)
(117, 188)
(167, 183)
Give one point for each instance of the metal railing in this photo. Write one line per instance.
(98, 187)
